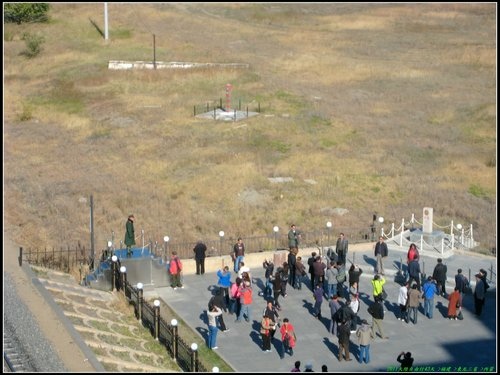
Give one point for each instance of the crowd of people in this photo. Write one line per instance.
(329, 281)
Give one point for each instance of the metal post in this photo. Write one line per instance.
(139, 301)
(157, 318)
(114, 271)
(154, 51)
(106, 34)
(175, 337)
(194, 357)
(20, 256)
(92, 252)
(123, 271)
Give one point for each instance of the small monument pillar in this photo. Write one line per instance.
(427, 221)
(229, 88)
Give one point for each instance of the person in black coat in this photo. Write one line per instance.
(199, 255)
(310, 263)
(344, 334)
(406, 361)
(292, 260)
(376, 310)
(439, 275)
(219, 301)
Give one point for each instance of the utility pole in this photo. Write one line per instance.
(106, 35)
(92, 253)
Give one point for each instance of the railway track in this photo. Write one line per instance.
(15, 358)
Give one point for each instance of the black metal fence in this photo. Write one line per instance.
(213, 105)
(184, 354)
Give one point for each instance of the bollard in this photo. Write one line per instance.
(139, 301)
(157, 318)
(123, 278)
(175, 335)
(194, 357)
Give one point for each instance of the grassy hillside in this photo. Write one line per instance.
(388, 108)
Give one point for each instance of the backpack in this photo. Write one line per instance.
(341, 277)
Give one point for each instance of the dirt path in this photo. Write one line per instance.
(62, 342)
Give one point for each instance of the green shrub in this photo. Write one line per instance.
(26, 12)
(477, 191)
(33, 44)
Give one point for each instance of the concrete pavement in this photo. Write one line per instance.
(436, 344)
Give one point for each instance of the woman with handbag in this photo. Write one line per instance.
(288, 337)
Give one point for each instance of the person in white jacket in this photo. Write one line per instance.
(403, 302)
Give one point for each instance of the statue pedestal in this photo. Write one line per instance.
(433, 239)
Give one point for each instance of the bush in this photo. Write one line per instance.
(33, 44)
(26, 12)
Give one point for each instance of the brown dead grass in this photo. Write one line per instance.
(388, 107)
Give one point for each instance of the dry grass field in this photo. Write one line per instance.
(388, 108)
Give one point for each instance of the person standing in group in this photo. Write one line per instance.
(403, 302)
(454, 304)
(479, 294)
(378, 285)
(335, 306)
(319, 271)
(413, 303)
(354, 306)
(239, 254)
(218, 300)
(461, 283)
(235, 304)
(293, 237)
(277, 289)
(200, 250)
(310, 263)
(268, 265)
(224, 282)
(406, 361)
(414, 272)
(341, 248)
(439, 275)
(376, 310)
(246, 302)
(318, 300)
(300, 272)
(381, 251)
(272, 312)
(354, 274)
(175, 271)
(344, 340)
(341, 279)
(265, 332)
(411, 254)
(244, 268)
(292, 261)
(129, 235)
(288, 337)
(284, 276)
(212, 314)
(429, 290)
(296, 367)
(331, 280)
(365, 337)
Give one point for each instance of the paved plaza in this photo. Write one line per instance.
(437, 344)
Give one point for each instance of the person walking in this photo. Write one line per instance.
(406, 361)
(376, 310)
(439, 275)
(212, 315)
(293, 237)
(365, 337)
(238, 254)
(265, 332)
(318, 301)
(454, 304)
(403, 302)
(319, 271)
(175, 268)
(288, 337)
(284, 276)
(200, 250)
(354, 274)
(429, 290)
(479, 294)
(277, 289)
(344, 341)
(381, 251)
(310, 263)
(224, 282)
(129, 235)
(268, 265)
(341, 248)
(413, 303)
